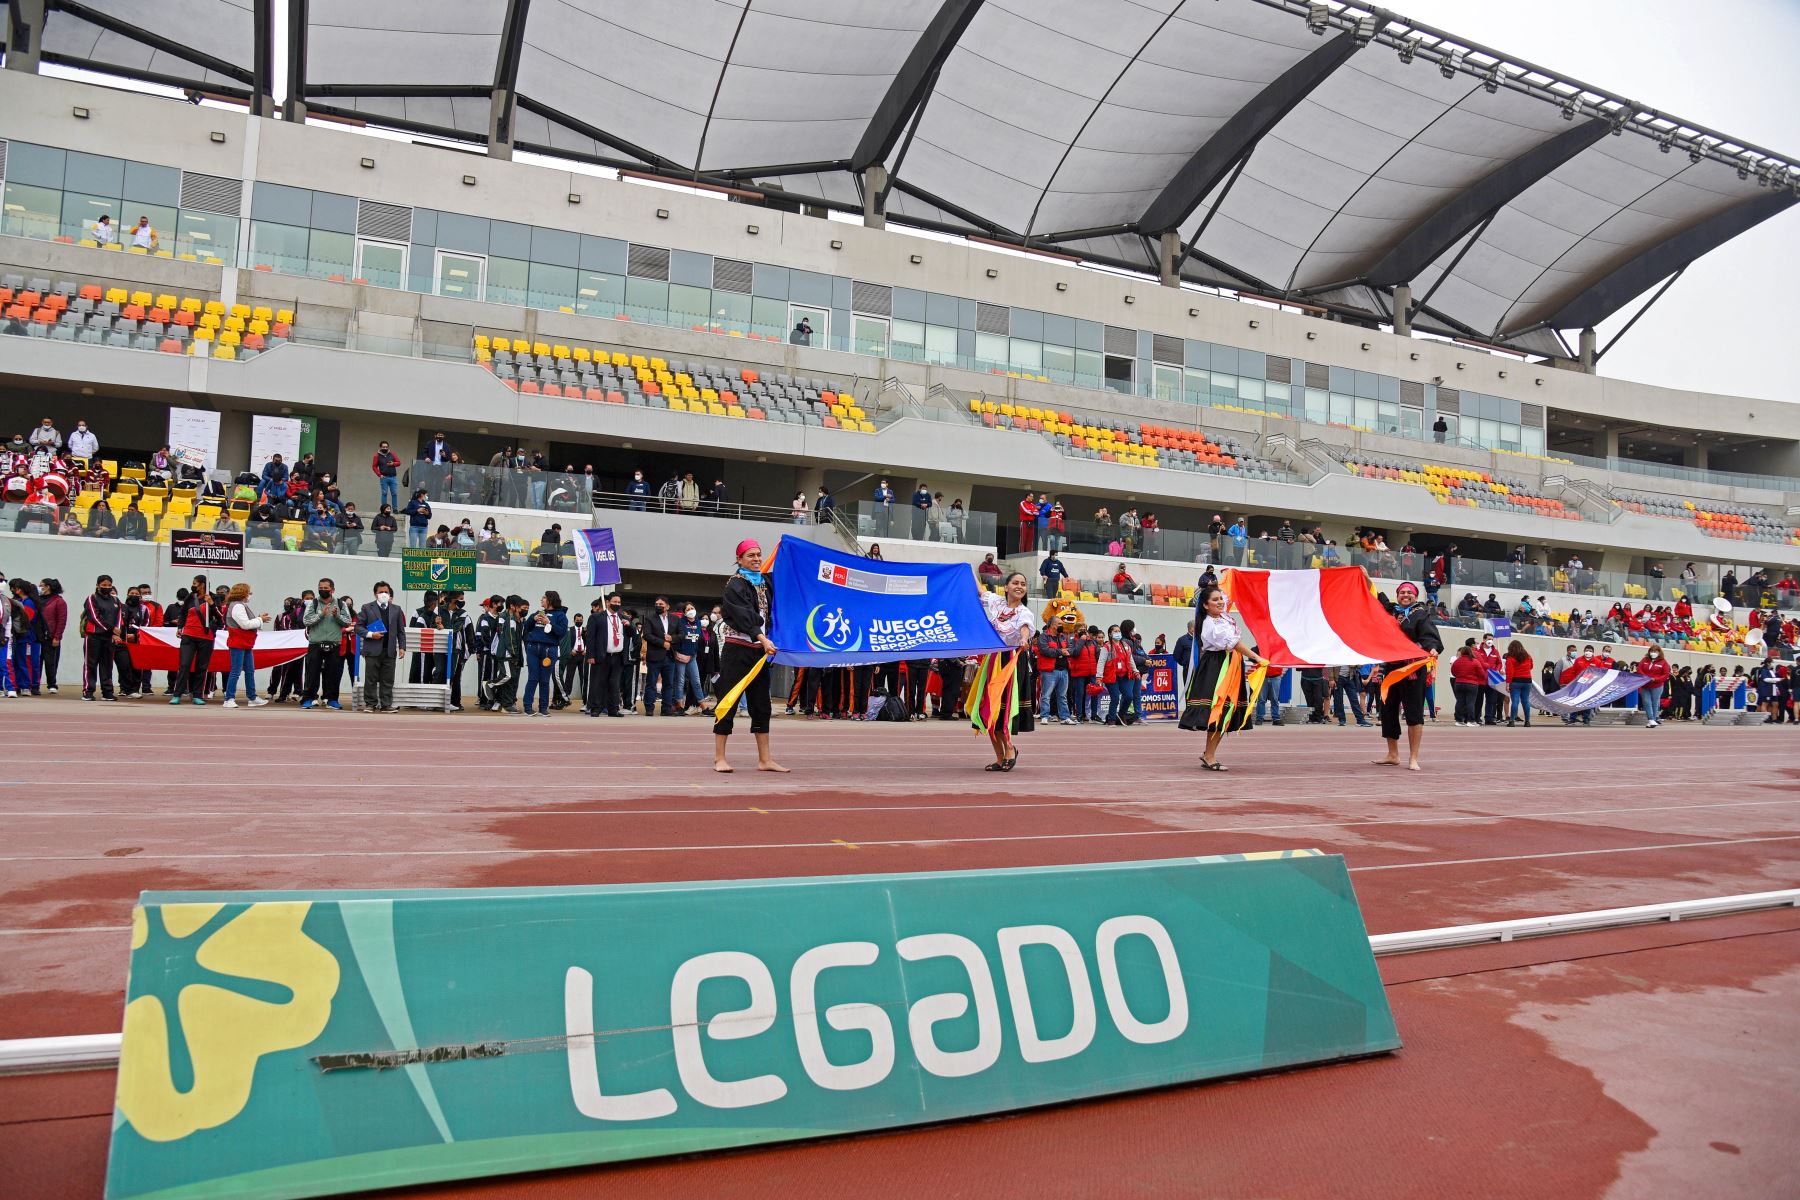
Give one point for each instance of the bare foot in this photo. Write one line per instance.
(1412, 766)
(771, 765)
(1385, 762)
(721, 766)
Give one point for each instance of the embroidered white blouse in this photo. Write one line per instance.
(1218, 633)
(1014, 625)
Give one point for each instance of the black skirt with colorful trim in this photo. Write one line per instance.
(1196, 713)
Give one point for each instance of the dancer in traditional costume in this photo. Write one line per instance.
(1403, 684)
(745, 651)
(1219, 694)
(994, 698)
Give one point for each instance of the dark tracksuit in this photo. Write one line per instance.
(102, 617)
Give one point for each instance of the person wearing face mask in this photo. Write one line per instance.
(659, 666)
(998, 694)
(604, 636)
(685, 632)
(102, 623)
(543, 643)
(382, 628)
(1655, 668)
(639, 491)
(1491, 699)
(325, 617)
(745, 644)
(83, 443)
(241, 624)
(384, 525)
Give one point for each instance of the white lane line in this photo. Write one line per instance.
(1459, 862)
(523, 854)
(1199, 806)
(70, 929)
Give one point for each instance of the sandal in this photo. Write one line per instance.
(1011, 762)
(1213, 766)
(994, 766)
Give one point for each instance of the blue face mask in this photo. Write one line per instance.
(755, 577)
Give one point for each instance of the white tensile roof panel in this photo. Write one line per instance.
(219, 29)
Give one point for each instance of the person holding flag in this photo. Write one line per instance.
(746, 649)
(1403, 683)
(1218, 692)
(994, 697)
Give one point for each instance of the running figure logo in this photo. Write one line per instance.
(831, 632)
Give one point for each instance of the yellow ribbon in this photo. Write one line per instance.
(729, 700)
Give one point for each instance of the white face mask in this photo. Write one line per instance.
(690, 614)
(381, 598)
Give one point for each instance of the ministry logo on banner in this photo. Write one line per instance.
(834, 609)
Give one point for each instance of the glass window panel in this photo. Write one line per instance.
(940, 309)
(560, 248)
(909, 338)
(79, 210)
(871, 336)
(1252, 363)
(97, 174)
(809, 287)
(458, 274)
(843, 294)
(1166, 383)
(509, 239)
(731, 310)
(31, 211)
(39, 165)
(1275, 396)
(458, 232)
(206, 235)
(1341, 380)
(689, 268)
(1454, 423)
(419, 266)
(603, 254)
(769, 281)
(383, 264)
(769, 316)
(1390, 388)
(1343, 408)
(603, 295)
(1090, 366)
(1199, 385)
(1059, 362)
(966, 312)
(1028, 323)
(152, 184)
(1028, 355)
(424, 231)
(1531, 441)
(1509, 436)
(1196, 353)
(1412, 421)
(1060, 330)
(334, 212)
(909, 305)
(990, 351)
(332, 254)
(1318, 405)
(508, 280)
(162, 220)
(1367, 386)
(1250, 390)
(1365, 413)
(647, 300)
(1224, 387)
(554, 287)
(279, 247)
(1225, 358)
(282, 205)
(1120, 373)
(689, 305)
(940, 343)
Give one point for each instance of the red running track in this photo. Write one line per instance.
(1503, 823)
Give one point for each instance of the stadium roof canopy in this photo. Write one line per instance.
(1295, 150)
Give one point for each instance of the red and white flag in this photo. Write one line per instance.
(1320, 618)
(159, 649)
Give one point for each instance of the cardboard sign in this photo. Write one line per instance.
(287, 1044)
(208, 549)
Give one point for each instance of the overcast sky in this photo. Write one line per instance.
(1731, 324)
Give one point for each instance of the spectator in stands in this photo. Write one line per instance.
(1043, 520)
(1491, 606)
(937, 529)
(802, 333)
(101, 229)
(418, 517)
(1129, 531)
(1056, 527)
(383, 640)
(1239, 533)
(1103, 524)
(873, 552)
(1440, 429)
(1284, 554)
(440, 540)
(921, 511)
(1123, 583)
(133, 527)
(1053, 571)
(988, 572)
(385, 465)
(800, 508)
(1655, 573)
(83, 443)
(690, 494)
(823, 506)
(1328, 554)
(273, 485)
(45, 437)
(143, 235)
(1027, 523)
(958, 522)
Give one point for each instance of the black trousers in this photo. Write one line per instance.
(735, 661)
(602, 691)
(324, 672)
(97, 665)
(190, 672)
(916, 672)
(52, 655)
(131, 680)
(1405, 698)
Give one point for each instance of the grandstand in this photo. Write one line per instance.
(952, 245)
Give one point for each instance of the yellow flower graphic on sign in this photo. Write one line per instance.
(244, 985)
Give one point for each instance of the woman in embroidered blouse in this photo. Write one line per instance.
(994, 696)
(1218, 645)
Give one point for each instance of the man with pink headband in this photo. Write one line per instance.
(1404, 683)
(744, 642)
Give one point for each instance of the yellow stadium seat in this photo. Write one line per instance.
(684, 379)
(150, 505)
(86, 500)
(166, 301)
(90, 243)
(284, 316)
(206, 518)
(690, 394)
(263, 313)
(638, 362)
(241, 310)
(191, 304)
(717, 410)
(621, 359)
(482, 343)
(117, 295)
(866, 426)
(677, 404)
(734, 410)
(258, 326)
(707, 393)
(483, 355)
(235, 324)
(582, 354)
(559, 352)
(216, 307)
(204, 333)
(659, 364)
(208, 321)
(540, 348)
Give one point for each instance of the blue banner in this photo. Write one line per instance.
(596, 557)
(1593, 688)
(838, 609)
(1158, 700)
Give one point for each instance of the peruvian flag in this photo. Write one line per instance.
(159, 649)
(1323, 618)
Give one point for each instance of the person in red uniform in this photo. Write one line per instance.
(1655, 669)
(1028, 511)
(203, 619)
(1488, 654)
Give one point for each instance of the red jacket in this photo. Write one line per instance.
(1582, 662)
(1082, 662)
(1119, 664)
(1656, 670)
(202, 621)
(1466, 668)
(241, 639)
(1519, 668)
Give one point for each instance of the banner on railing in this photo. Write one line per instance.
(1158, 701)
(310, 1043)
(596, 557)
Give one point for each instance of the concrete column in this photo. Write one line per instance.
(875, 181)
(357, 441)
(1696, 457)
(1589, 343)
(500, 126)
(1610, 443)
(29, 16)
(1403, 310)
(1167, 250)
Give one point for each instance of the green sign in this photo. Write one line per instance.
(286, 1044)
(437, 570)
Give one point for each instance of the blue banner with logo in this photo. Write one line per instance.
(1593, 688)
(596, 557)
(838, 609)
